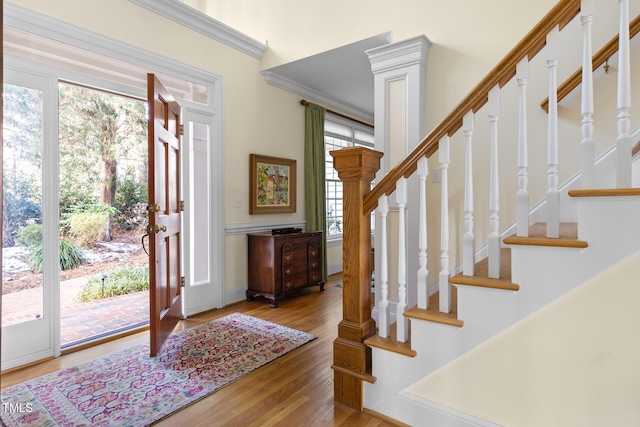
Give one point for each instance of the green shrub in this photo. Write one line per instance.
(131, 203)
(87, 228)
(71, 256)
(31, 235)
(120, 281)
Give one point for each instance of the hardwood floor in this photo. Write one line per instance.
(294, 390)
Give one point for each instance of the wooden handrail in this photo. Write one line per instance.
(530, 45)
(598, 59)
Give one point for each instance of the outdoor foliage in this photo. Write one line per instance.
(30, 236)
(102, 162)
(131, 203)
(124, 280)
(87, 228)
(104, 136)
(22, 160)
(71, 256)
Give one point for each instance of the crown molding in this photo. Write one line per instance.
(315, 96)
(55, 29)
(202, 23)
(401, 54)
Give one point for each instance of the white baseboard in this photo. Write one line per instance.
(334, 268)
(413, 410)
(234, 295)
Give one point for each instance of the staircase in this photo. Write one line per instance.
(556, 239)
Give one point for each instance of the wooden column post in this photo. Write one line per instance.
(351, 357)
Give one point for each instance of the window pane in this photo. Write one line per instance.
(339, 136)
(338, 129)
(364, 138)
(22, 186)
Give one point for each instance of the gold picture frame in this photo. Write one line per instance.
(272, 184)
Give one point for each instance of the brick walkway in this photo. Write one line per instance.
(79, 321)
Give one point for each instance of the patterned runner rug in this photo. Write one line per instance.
(129, 388)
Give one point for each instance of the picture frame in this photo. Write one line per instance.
(272, 183)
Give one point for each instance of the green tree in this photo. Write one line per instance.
(22, 159)
(97, 130)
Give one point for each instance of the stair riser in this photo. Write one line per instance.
(600, 218)
(486, 312)
(389, 381)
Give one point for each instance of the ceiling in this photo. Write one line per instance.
(339, 79)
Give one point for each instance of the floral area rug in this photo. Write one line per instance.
(129, 388)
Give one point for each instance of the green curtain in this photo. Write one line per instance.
(314, 175)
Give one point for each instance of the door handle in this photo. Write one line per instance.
(153, 208)
(156, 229)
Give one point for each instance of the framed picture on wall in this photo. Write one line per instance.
(273, 184)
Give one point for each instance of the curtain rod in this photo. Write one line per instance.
(335, 113)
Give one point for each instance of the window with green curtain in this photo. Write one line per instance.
(314, 174)
(340, 133)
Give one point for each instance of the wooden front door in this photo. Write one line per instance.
(165, 210)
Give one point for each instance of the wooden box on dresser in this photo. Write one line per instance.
(281, 264)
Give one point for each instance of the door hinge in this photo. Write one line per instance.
(182, 282)
(181, 205)
(181, 129)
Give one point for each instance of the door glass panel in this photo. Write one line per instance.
(22, 249)
(199, 177)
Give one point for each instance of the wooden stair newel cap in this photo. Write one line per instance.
(357, 163)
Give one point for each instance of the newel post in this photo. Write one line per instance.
(351, 357)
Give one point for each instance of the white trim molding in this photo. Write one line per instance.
(304, 91)
(55, 29)
(401, 54)
(204, 24)
(411, 409)
(399, 72)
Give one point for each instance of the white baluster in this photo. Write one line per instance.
(444, 287)
(401, 321)
(494, 187)
(623, 142)
(587, 146)
(423, 273)
(383, 305)
(468, 239)
(522, 197)
(553, 195)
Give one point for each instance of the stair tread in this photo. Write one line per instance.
(481, 274)
(433, 313)
(605, 192)
(538, 237)
(390, 343)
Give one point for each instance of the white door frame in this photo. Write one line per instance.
(46, 26)
(41, 342)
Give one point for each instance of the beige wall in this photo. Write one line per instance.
(574, 363)
(469, 38)
(457, 61)
(509, 379)
(258, 118)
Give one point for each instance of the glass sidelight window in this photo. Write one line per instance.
(22, 248)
